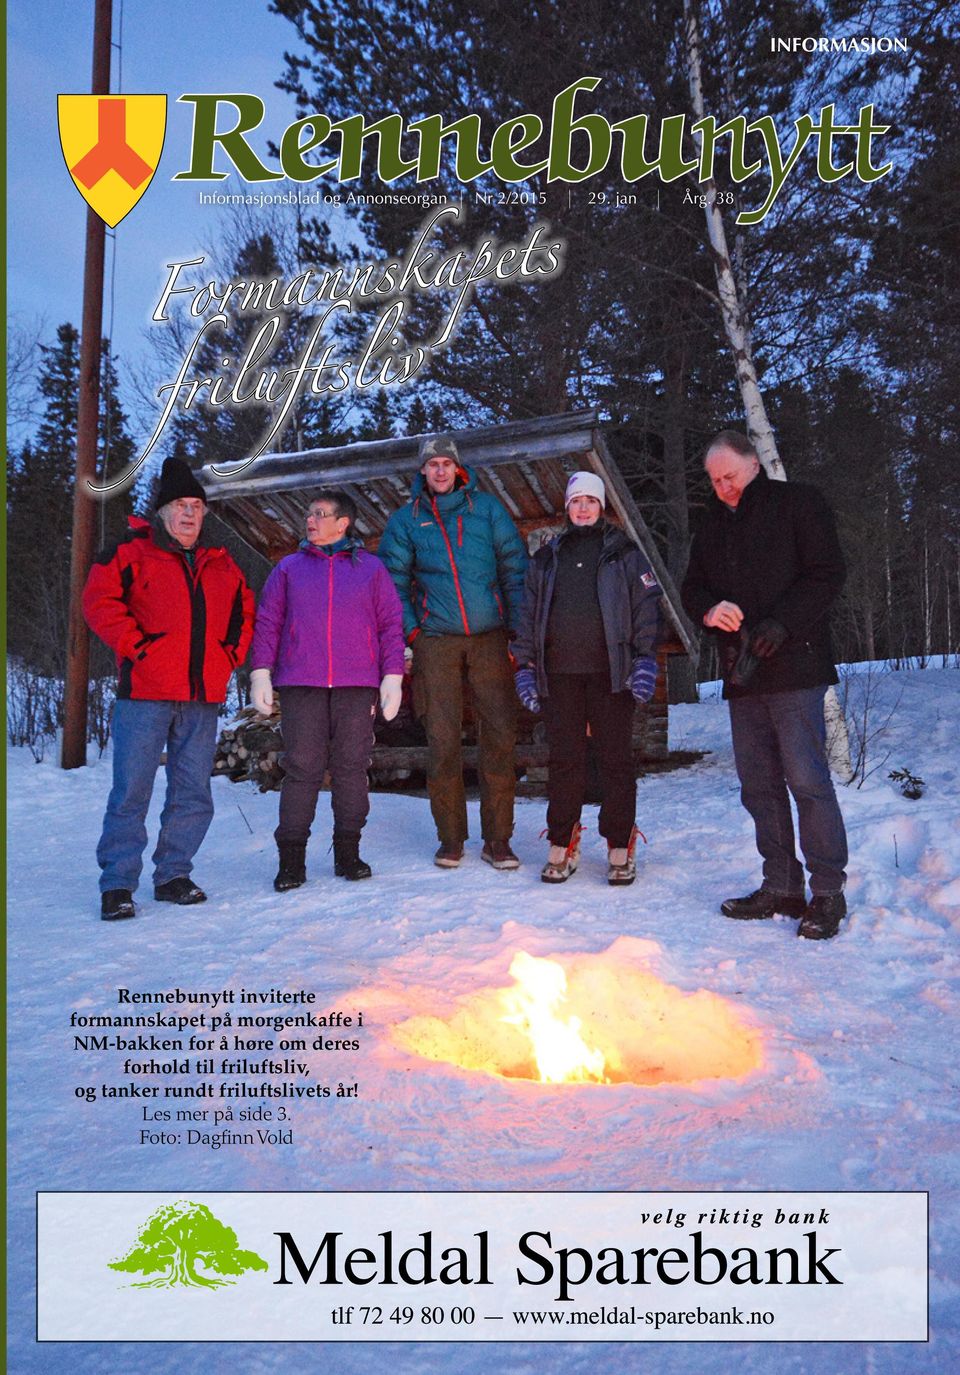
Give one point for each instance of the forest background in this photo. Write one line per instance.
(847, 293)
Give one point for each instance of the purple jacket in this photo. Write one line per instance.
(329, 620)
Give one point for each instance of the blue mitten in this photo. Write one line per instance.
(526, 684)
(643, 678)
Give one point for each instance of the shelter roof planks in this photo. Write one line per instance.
(525, 463)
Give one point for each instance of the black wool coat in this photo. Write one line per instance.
(777, 556)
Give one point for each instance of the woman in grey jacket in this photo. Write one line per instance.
(585, 651)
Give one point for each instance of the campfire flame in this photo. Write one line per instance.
(586, 1019)
(561, 1054)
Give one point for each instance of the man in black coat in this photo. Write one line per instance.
(765, 568)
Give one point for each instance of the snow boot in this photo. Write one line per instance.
(346, 858)
(181, 890)
(562, 861)
(764, 903)
(821, 921)
(622, 863)
(116, 904)
(499, 854)
(449, 855)
(293, 865)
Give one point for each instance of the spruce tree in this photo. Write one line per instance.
(40, 505)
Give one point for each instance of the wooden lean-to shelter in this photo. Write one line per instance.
(525, 463)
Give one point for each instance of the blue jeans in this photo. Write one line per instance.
(779, 742)
(141, 732)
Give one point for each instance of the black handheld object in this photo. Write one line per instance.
(767, 638)
(746, 663)
(755, 645)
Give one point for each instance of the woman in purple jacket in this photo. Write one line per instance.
(329, 636)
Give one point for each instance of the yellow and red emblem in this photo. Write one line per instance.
(112, 145)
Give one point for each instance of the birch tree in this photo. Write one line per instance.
(732, 307)
(736, 325)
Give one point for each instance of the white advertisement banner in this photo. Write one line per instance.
(201, 1266)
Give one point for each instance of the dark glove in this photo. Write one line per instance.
(525, 680)
(643, 678)
(746, 663)
(768, 638)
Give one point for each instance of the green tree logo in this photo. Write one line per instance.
(178, 1237)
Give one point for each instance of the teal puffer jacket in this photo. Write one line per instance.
(457, 560)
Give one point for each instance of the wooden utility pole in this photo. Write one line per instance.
(74, 750)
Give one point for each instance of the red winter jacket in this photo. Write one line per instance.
(178, 633)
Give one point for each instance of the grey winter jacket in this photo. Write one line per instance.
(628, 593)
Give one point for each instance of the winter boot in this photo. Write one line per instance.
(764, 903)
(181, 890)
(346, 858)
(562, 860)
(116, 904)
(293, 865)
(449, 854)
(499, 854)
(623, 862)
(821, 921)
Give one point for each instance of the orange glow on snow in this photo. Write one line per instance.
(588, 1019)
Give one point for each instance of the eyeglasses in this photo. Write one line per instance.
(323, 515)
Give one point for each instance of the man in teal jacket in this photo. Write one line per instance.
(458, 564)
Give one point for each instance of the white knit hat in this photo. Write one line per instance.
(585, 485)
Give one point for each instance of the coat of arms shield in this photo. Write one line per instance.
(112, 145)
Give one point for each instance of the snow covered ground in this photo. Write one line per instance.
(858, 1090)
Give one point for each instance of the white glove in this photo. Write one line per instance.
(390, 694)
(261, 691)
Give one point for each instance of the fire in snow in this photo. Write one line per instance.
(589, 1020)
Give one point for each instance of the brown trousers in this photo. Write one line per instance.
(440, 663)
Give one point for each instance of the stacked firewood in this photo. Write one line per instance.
(249, 749)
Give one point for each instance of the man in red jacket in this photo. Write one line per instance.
(178, 614)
